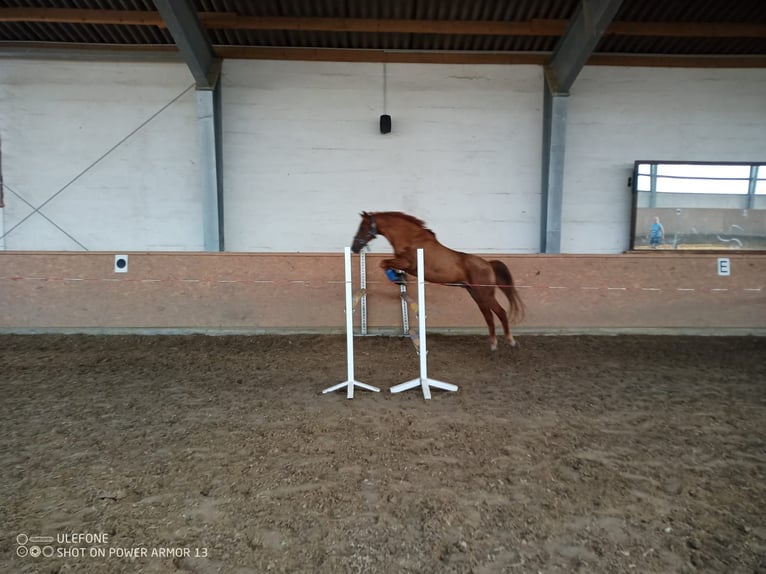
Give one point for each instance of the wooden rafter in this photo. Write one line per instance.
(686, 30)
(75, 16)
(167, 52)
(480, 28)
(232, 21)
(393, 57)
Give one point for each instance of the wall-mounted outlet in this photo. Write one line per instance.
(120, 263)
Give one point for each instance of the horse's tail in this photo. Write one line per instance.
(505, 282)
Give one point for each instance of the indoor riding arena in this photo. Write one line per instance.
(212, 363)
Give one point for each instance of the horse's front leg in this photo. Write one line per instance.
(402, 262)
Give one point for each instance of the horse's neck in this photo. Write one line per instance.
(399, 232)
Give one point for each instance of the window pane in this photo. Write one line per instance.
(684, 178)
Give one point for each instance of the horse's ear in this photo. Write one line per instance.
(364, 214)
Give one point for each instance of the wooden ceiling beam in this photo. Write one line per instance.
(232, 21)
(391, 57)
(683, 61)
(76, 16)
(687, 30)
(396, 26)
(138, 52)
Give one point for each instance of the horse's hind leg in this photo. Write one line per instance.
(481, 296)
(499, 310)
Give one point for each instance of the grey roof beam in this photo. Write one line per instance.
(184, 25)
(590, 21)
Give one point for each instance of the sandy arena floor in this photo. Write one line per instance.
(220, 454)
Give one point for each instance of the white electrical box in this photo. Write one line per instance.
(120, 263)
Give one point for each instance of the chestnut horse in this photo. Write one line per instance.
(478, 276)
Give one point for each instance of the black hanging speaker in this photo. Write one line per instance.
(385, 124)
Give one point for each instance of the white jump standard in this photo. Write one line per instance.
(350, 382)
(423, 381)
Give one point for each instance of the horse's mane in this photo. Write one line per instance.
(411, 219)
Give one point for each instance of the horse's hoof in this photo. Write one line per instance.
(493, 347)
(396, 276)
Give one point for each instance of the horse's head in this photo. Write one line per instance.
(367, 232)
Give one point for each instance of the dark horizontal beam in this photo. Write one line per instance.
(680, 61)
(386, 26)
(78, 51)
(395, 57)
(686, 30)
(232, 21)
(77, 16)
(85, 51)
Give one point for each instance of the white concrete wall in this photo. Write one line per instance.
(619, 115)
(59, 117)
(303, 154)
